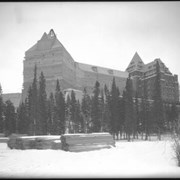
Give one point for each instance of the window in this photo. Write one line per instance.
(94, 68)
(139, 66)
(110, 71)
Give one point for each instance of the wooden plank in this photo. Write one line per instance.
(2, 135)
(56, 144)
(83, 135)
(90, 142)
(18, 141)
(87, 148)
(84, 142)
(90, 137)
(29, 144)
(4, 139)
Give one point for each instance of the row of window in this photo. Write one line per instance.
(95, 69)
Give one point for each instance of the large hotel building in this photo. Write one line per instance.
(51, 57)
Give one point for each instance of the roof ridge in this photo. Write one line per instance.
(135, 62)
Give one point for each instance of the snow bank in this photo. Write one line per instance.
(127, 159)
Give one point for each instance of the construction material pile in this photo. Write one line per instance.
(3, 138)
(17, 141)
(86, 142)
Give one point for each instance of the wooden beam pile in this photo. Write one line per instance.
(2, 135)
(32, 142)
(56, 144)
(12, 142)
(3, 139)
(86, 142)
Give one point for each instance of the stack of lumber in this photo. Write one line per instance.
(45, 142)
(31, 142)
(86, 142)
(3, 139)
(2, 135)
(25, 142)
(56, 144)
(12, 141)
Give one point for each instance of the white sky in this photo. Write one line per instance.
(105, 34)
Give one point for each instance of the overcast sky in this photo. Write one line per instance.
(105, 34)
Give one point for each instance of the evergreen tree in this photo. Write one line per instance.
(145, 117)
(102, 110)
(86, 110)
(174, 117)
(107, 113)
(73, 106)
(79, 118)
(68, 115)
(50, 114)
(22, 119)
(136, 117)
(30, 109)
(158, 103)
(10, 118)
(1, 112)
(114, 108)
(95, 111)
(167, 121)
(42, 107)
(145, 112)
(122, 114)
(59, 110)
(129, 109)
(34, 104)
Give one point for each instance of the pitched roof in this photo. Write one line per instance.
(102, 70)
(152, 65)
(47, 41)
(135, 64)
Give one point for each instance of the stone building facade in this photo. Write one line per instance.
(51, 57)
(146, 73)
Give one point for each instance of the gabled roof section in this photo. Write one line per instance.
(47, 42)
(56, 44)
(33, 48)
(152, 65)
(135, 64)
(44, 37)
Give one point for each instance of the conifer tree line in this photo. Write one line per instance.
(125, 115)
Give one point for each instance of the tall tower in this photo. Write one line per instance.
(135, 70)
(51, 58)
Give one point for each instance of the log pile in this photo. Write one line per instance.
(86, 142)
(31, 142)
(2, 135)
(3, 139)
(56, 144)
(12, 142)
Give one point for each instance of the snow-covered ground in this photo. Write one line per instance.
(127, 159)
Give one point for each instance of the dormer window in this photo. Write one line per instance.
(110, 71)
(94, 68)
